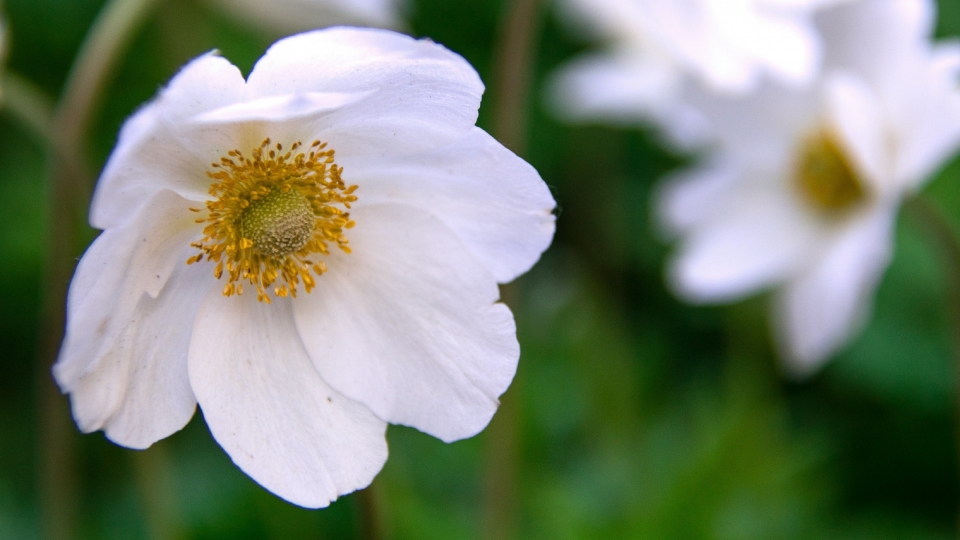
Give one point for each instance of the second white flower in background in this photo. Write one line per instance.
(802, 188)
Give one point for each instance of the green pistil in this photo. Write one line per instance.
(278, 224)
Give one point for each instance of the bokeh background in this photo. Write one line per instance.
(632, 415)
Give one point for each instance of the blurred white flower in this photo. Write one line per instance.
(658, 46)
(803, 188)
(289, 16)
(206, 284)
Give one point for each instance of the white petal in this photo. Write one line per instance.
(693, 32)
(753, 39)
(821, 310)
(761, 129)
(139, 391)
(278, 108)
(868, 37)
(788, 47)
(407, 325)
(495, 202)
(946, 59)
(754, 242)
(927, 116)
(122, 265)
(622, 88)
(857, 116)
(420, 94)
(152, 154)
(271, 411)
(687, 199)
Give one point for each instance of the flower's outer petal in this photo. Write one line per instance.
(927, 115)
(731, 43)
(269, 408)
(153, 154)
(819, 311)
(789, 47)
(139, 391)
(408, 325)
(857, 116)
(691, 33)
(623, 88)
(291, 16)
(946, 59)
(123, 264)
(760, 129)
(689, 198)
(495, 202)
(870, 37)
(754, 242)
(420, 95)
(293, 107)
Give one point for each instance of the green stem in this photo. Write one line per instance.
(29, 105)
(944, 239)
(106, 43)
(373, 522)
(157, 493)
(516, 58)
(516, 55)
(68, 192)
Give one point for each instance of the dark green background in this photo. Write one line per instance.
(634, 416)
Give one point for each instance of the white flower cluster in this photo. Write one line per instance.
(814, 120)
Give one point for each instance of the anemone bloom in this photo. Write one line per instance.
(309, 254)
(657, 47)
(802, 189)
(286, 16)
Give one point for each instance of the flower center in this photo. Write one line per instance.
(271, 215)
(825, 176)
(278, 224)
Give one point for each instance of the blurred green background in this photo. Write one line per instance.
(632, 415)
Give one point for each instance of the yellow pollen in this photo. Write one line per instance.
(271, 214)
(825, 176)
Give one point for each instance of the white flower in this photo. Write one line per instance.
(803, 188)
(658, 46)
(403, 325)
(288, 16)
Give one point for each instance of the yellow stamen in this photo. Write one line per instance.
(268, 215)
(825, 176)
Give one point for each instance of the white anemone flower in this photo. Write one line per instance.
(802, 191)
(658, 47)
(289, 16)
(309, 254)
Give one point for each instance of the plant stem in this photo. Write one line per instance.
(944, 239)
(373, 522)
(29, 106)
(516, 58)
(155, 483)
(106, 43)
(68, 194)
